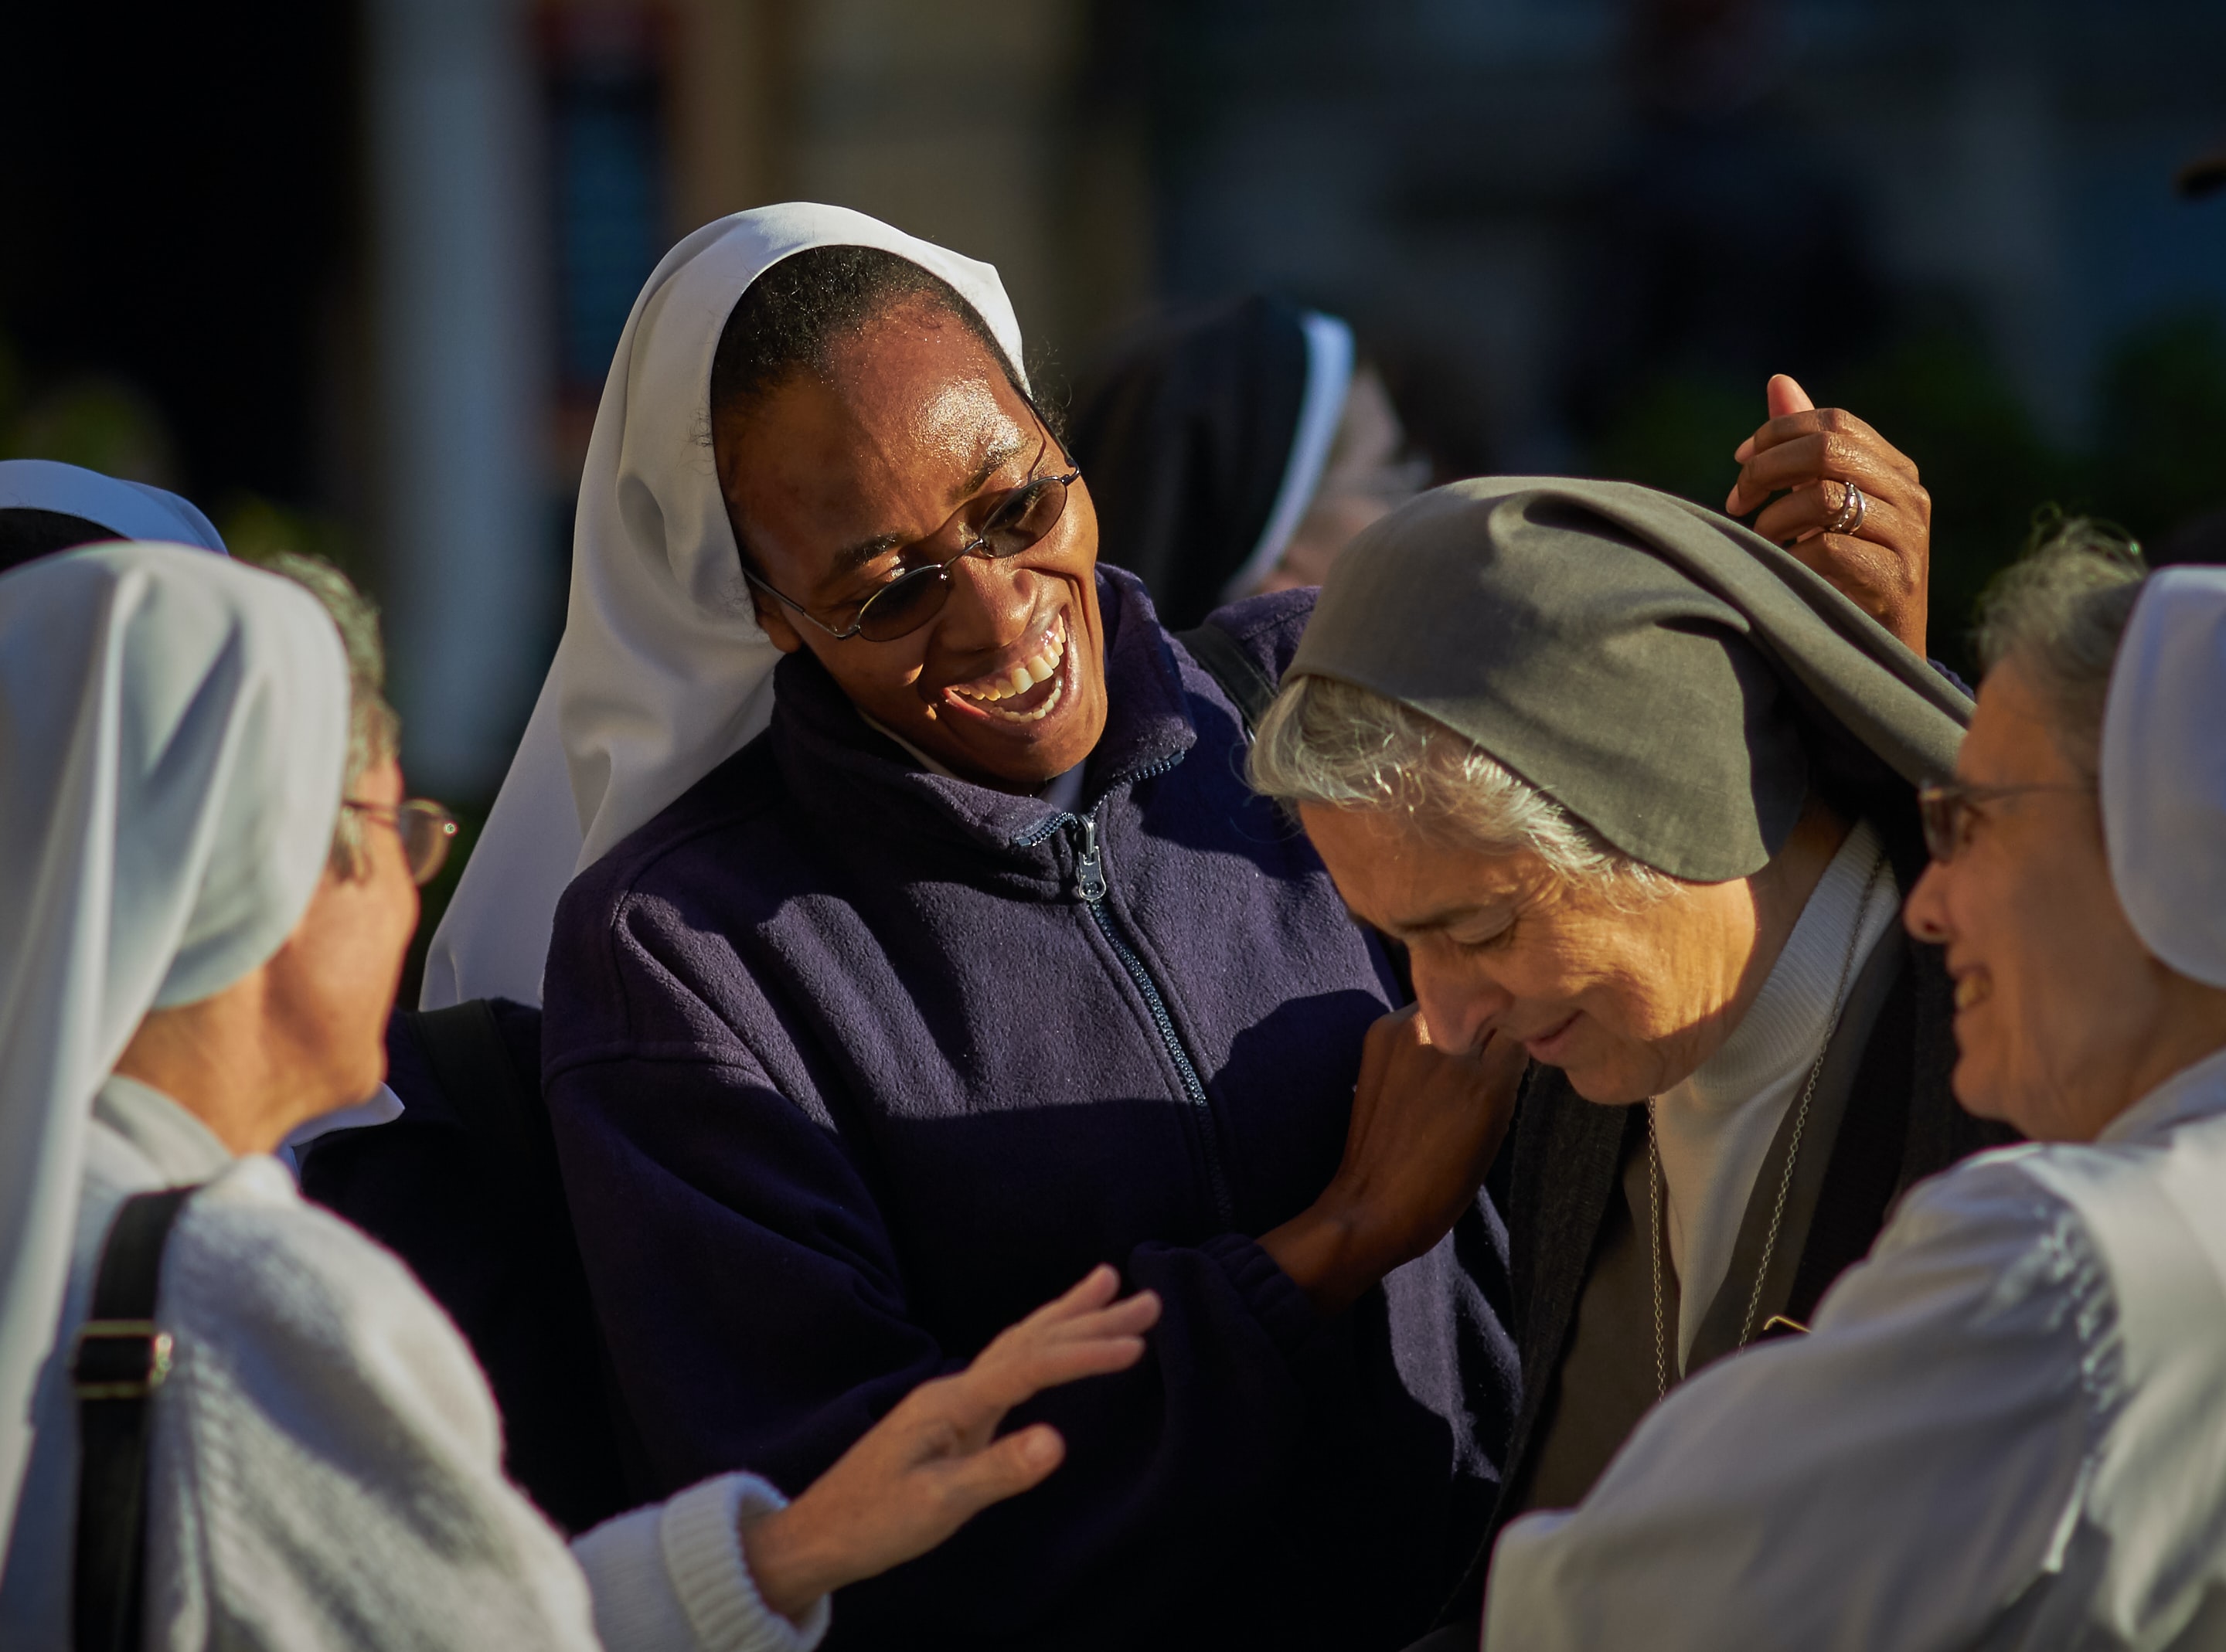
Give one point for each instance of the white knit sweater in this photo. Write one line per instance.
(327, 1458)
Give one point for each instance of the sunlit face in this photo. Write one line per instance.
(2058, 1003)
(329, 989)
(839, 485)
(1627, 1003)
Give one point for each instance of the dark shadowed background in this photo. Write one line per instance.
(348, 275)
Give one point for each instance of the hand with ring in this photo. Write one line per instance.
(1846, 503)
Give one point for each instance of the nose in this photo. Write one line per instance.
(1460, 1008)
(990, 606)
(1925, 913)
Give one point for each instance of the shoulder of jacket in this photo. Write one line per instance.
(740, 798)
(1267, 627)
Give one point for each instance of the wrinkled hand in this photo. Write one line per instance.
(1885, 568)
(1427, 1123)
(934, 1462)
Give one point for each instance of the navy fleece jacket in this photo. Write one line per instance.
(847, 1075)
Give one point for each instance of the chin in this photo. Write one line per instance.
(1606, 1083)
(1977, 1091)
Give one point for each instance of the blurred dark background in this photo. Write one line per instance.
(348, 275)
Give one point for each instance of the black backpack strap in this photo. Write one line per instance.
(1227, 663)
(464, 1046)
(120, 1360)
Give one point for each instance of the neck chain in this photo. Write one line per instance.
(1656, 1181)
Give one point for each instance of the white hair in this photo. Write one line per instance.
(2059, 614)
(1343, 746)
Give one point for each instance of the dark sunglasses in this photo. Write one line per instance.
(1946, 808)
(1018, 518)
(426, 830)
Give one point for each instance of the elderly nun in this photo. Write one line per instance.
(272, 1437)
(1637, 791)
(2005, 1429)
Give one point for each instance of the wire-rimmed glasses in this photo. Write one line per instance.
(1945, 807)
(1018, 520)
(425, 828)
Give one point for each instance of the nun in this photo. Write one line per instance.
(922, 943)
(47, 506)
(2005, 1429)
(225, 1417)
(1234, 449)
(1637, 791)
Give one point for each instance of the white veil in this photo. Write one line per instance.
(173, 729)
(663, 673)
(2164, 771)
(128, 510)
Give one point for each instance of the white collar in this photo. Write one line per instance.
(2191, 1093)
(180, 1146)
(1781, 1030)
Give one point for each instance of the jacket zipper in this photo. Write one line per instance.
(1090, 886)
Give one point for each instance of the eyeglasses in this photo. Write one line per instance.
(1018, 518)
(1946, 806)
(426, 830)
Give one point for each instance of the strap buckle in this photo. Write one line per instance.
(119, 1359)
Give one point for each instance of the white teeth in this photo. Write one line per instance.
(1026, 675)
(1970, 991)
(1039, 713)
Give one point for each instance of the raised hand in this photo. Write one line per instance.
(934, 1461)
(1807, 455)
(1427, 1123)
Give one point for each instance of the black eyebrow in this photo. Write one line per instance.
(998, 452)
(851, 558)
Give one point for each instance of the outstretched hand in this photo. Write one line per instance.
(1427, 1123)
(1807, 456)
(934, 1461)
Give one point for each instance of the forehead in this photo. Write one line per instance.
(898, 427)
(2012, 738)
(1392, 872)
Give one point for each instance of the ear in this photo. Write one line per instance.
(773, 621)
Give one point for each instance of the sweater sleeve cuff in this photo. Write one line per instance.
(1275, 1297)
(703, 1540)
(671, 1578)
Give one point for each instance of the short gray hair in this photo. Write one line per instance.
(1343, 746)
(2059, 614)
(374, 730)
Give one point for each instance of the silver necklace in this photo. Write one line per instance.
(1656, 1181)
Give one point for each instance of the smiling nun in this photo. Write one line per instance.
(2005, 1431)
(1638, 789)
(980, 964)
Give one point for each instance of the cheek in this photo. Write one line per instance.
(2065, 973)
(874, 675)
(356, 980)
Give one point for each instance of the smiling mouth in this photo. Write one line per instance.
(1548, 1044)
(1973, 988)
(1029, 691)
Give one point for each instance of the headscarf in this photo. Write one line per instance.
(1668, 677)
(1205, 437)
(2164, 771)
(127, 510)
(173, 730)
(663, 673)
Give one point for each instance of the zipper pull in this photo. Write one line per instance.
(1089, 870)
